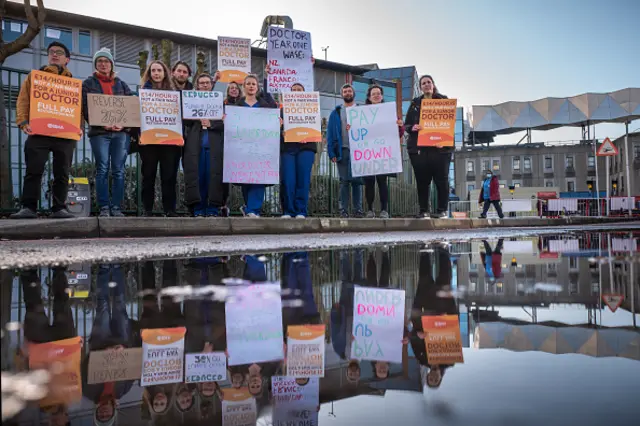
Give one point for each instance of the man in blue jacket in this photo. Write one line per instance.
(338, 150)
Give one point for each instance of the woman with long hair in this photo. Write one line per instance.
(253, 194)
(157, 77)
(375, 95)
(429, 163)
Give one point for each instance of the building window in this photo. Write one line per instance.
(84, 43)
(495, 165)
(12, 29)
(62, 35)
(569, 161)
(548, 183)
(503, 184)
(470, 166)
(470, 187)
(636, 151)
(516, 183)
(527, 164)
(516, 164)
(486, 165)
(591, 161)
(548, 163)
(571, 185)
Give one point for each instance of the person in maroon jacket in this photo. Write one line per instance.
(490, 194)
(492, 259)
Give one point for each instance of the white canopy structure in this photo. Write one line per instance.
(549, 113)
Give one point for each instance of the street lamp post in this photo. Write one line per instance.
(324, 49)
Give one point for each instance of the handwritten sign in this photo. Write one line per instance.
(251, 145)
(295, 415)
(55, 105)
(302, 121)
(201, 105)
(238, 407)
(234, 59)
(442, 339)
(206, 367)
(438, 121)
(62, 359)
(114, 366)
(374, 140)
(109, 111)
(289, 389)
(254, 324)
(378, 324)
(162, 355)
(305, 351)
(161, 121)
(289, 54)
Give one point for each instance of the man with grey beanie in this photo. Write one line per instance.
(110, 145)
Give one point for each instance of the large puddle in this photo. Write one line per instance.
(547, 326)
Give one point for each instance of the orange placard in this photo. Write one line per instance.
(55, 105)
(302, 120)
(305, 332)
(160, 117)
(234, 59)
(62, 359)
(442, 339)
(438, 121)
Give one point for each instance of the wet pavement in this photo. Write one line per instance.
(236, 330)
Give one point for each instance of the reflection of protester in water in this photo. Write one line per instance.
(351, 274)
(492, 260)
(111, 330)
(157, 399)
(433, 297)
(185, 397)
(37, 325)
(254, 269)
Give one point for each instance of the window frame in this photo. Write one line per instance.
(515, 163)
(568, 157)
(572, 181)
(528, 159)
(550, 157)
(471, 163)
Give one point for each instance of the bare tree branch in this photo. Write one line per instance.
(33, 29)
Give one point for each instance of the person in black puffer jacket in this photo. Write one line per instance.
(429, 163)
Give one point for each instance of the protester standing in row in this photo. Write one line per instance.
(157, 77)
(429, 163)
(110, 145)
(253, 194)
(375, 95)
(38, 147)
(339, 153)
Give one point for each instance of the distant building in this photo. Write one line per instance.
(617, 166)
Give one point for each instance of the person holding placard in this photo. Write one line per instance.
(110, 145)
(429, 163)
(375, 95)
(38, 146)
(157, 77)
(339, 153)
(253, 194)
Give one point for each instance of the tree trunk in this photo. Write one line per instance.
(6, 187)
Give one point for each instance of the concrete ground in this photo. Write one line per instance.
(139, 227)
(21, 254)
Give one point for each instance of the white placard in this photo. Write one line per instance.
(202, 105)
(251, 145)
(254, 324)
(287, 390)
(378, 324)
(234, 59)
(289, 53)
(374, 140)
(205, 367)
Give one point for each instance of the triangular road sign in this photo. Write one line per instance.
(613, 301)
(607, 149)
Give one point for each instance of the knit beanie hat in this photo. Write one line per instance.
(103, 53)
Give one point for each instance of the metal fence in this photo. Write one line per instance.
(324, 191)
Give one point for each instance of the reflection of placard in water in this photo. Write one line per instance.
(114, 366)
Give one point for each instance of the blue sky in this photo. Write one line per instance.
(479, 51)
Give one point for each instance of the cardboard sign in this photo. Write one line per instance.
(162, 355)
(114, 366)
(302, 121)
(201, 105)
(251, 145)
(55, 106)
(374, 140)
(62, 359)
(205, 367)
(289, 55)
(305, 351)
(234, 59)
(378, 324)
(438, 121)
(161, 118)
(442, 339)
(109, 111)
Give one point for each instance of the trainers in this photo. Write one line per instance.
(104, 212)
(198, 213)
(62, 214)
(300, 216)
(344, 214)
(384, 214)
(370, 214)
(359, 214)
(252, 215)
(116, 212)
(25, 213)
(440, 215)
(225, 211)
(172, 214)
(423, 215)
(286, 216)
